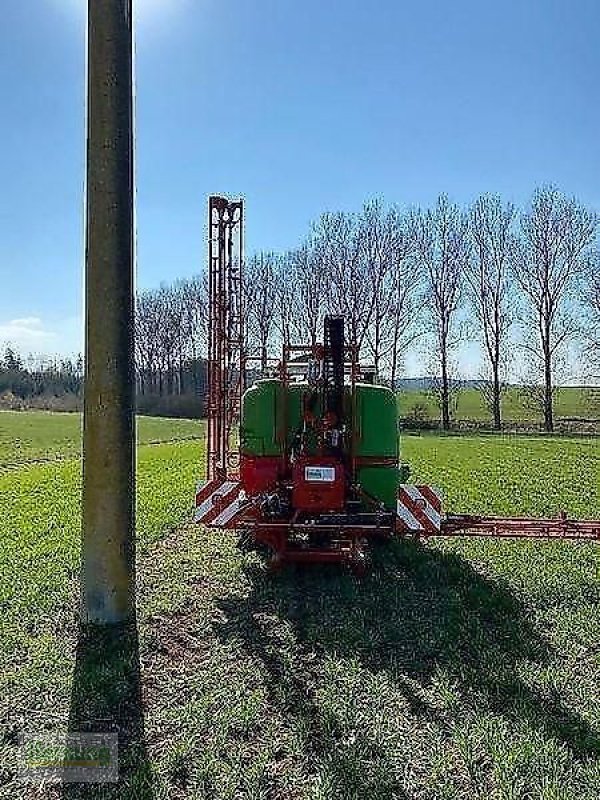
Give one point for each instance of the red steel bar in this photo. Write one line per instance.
(519, 527)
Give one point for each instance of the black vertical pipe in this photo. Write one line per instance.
(334, 357)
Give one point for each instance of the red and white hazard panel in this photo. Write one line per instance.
(419, 508)
(219, 504)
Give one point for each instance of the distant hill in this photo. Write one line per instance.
(426, 383)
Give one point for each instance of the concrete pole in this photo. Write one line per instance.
(108, 566)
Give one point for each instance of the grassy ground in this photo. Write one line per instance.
(570, 403)
(509, 474)
(454, 670)
(43, 436)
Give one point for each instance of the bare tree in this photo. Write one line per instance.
(406, 316)
(379, 236)
(590, 297)
(455, 384)
(490, 288)
(394, 318)
(286, 301)
(146, 344)
(171, 313)
(340, 245)
(260, 295)
(442, 251)
(556, 235)
(194, 331)
(170, 325)
(310, 289)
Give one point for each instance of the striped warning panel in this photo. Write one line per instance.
(419, 508)
(219, 503)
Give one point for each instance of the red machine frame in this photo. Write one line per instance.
(345, 539)
(221, 501)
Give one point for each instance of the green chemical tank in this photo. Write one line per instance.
(262, 419)
(375, 425)
(372, 421)
(375, 422)
(258, 428)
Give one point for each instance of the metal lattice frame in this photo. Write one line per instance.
(226, 367)
(520, 527)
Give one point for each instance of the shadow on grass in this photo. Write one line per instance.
(418, 614)
(106, 698)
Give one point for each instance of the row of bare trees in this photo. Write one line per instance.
(356, 265)
(170, 336)
(525, 284)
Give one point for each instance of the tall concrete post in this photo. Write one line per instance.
(108, 568)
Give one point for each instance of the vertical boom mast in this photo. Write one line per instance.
(226, 367)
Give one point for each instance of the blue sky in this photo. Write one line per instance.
(301, 107)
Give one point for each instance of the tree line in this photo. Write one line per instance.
(523, 282)
(170, 347)
(38, 378)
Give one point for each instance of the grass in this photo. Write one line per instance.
(571, 403)
(44, 436)
(509, 474)
(453, 670)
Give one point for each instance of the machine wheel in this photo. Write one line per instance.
(359, 561)
(275, 562)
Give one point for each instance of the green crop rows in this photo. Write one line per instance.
(459, 669)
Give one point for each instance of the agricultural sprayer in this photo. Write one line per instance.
(306, 462)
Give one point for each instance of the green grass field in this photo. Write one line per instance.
(571, 403)
(453, 670)
(43, 436)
